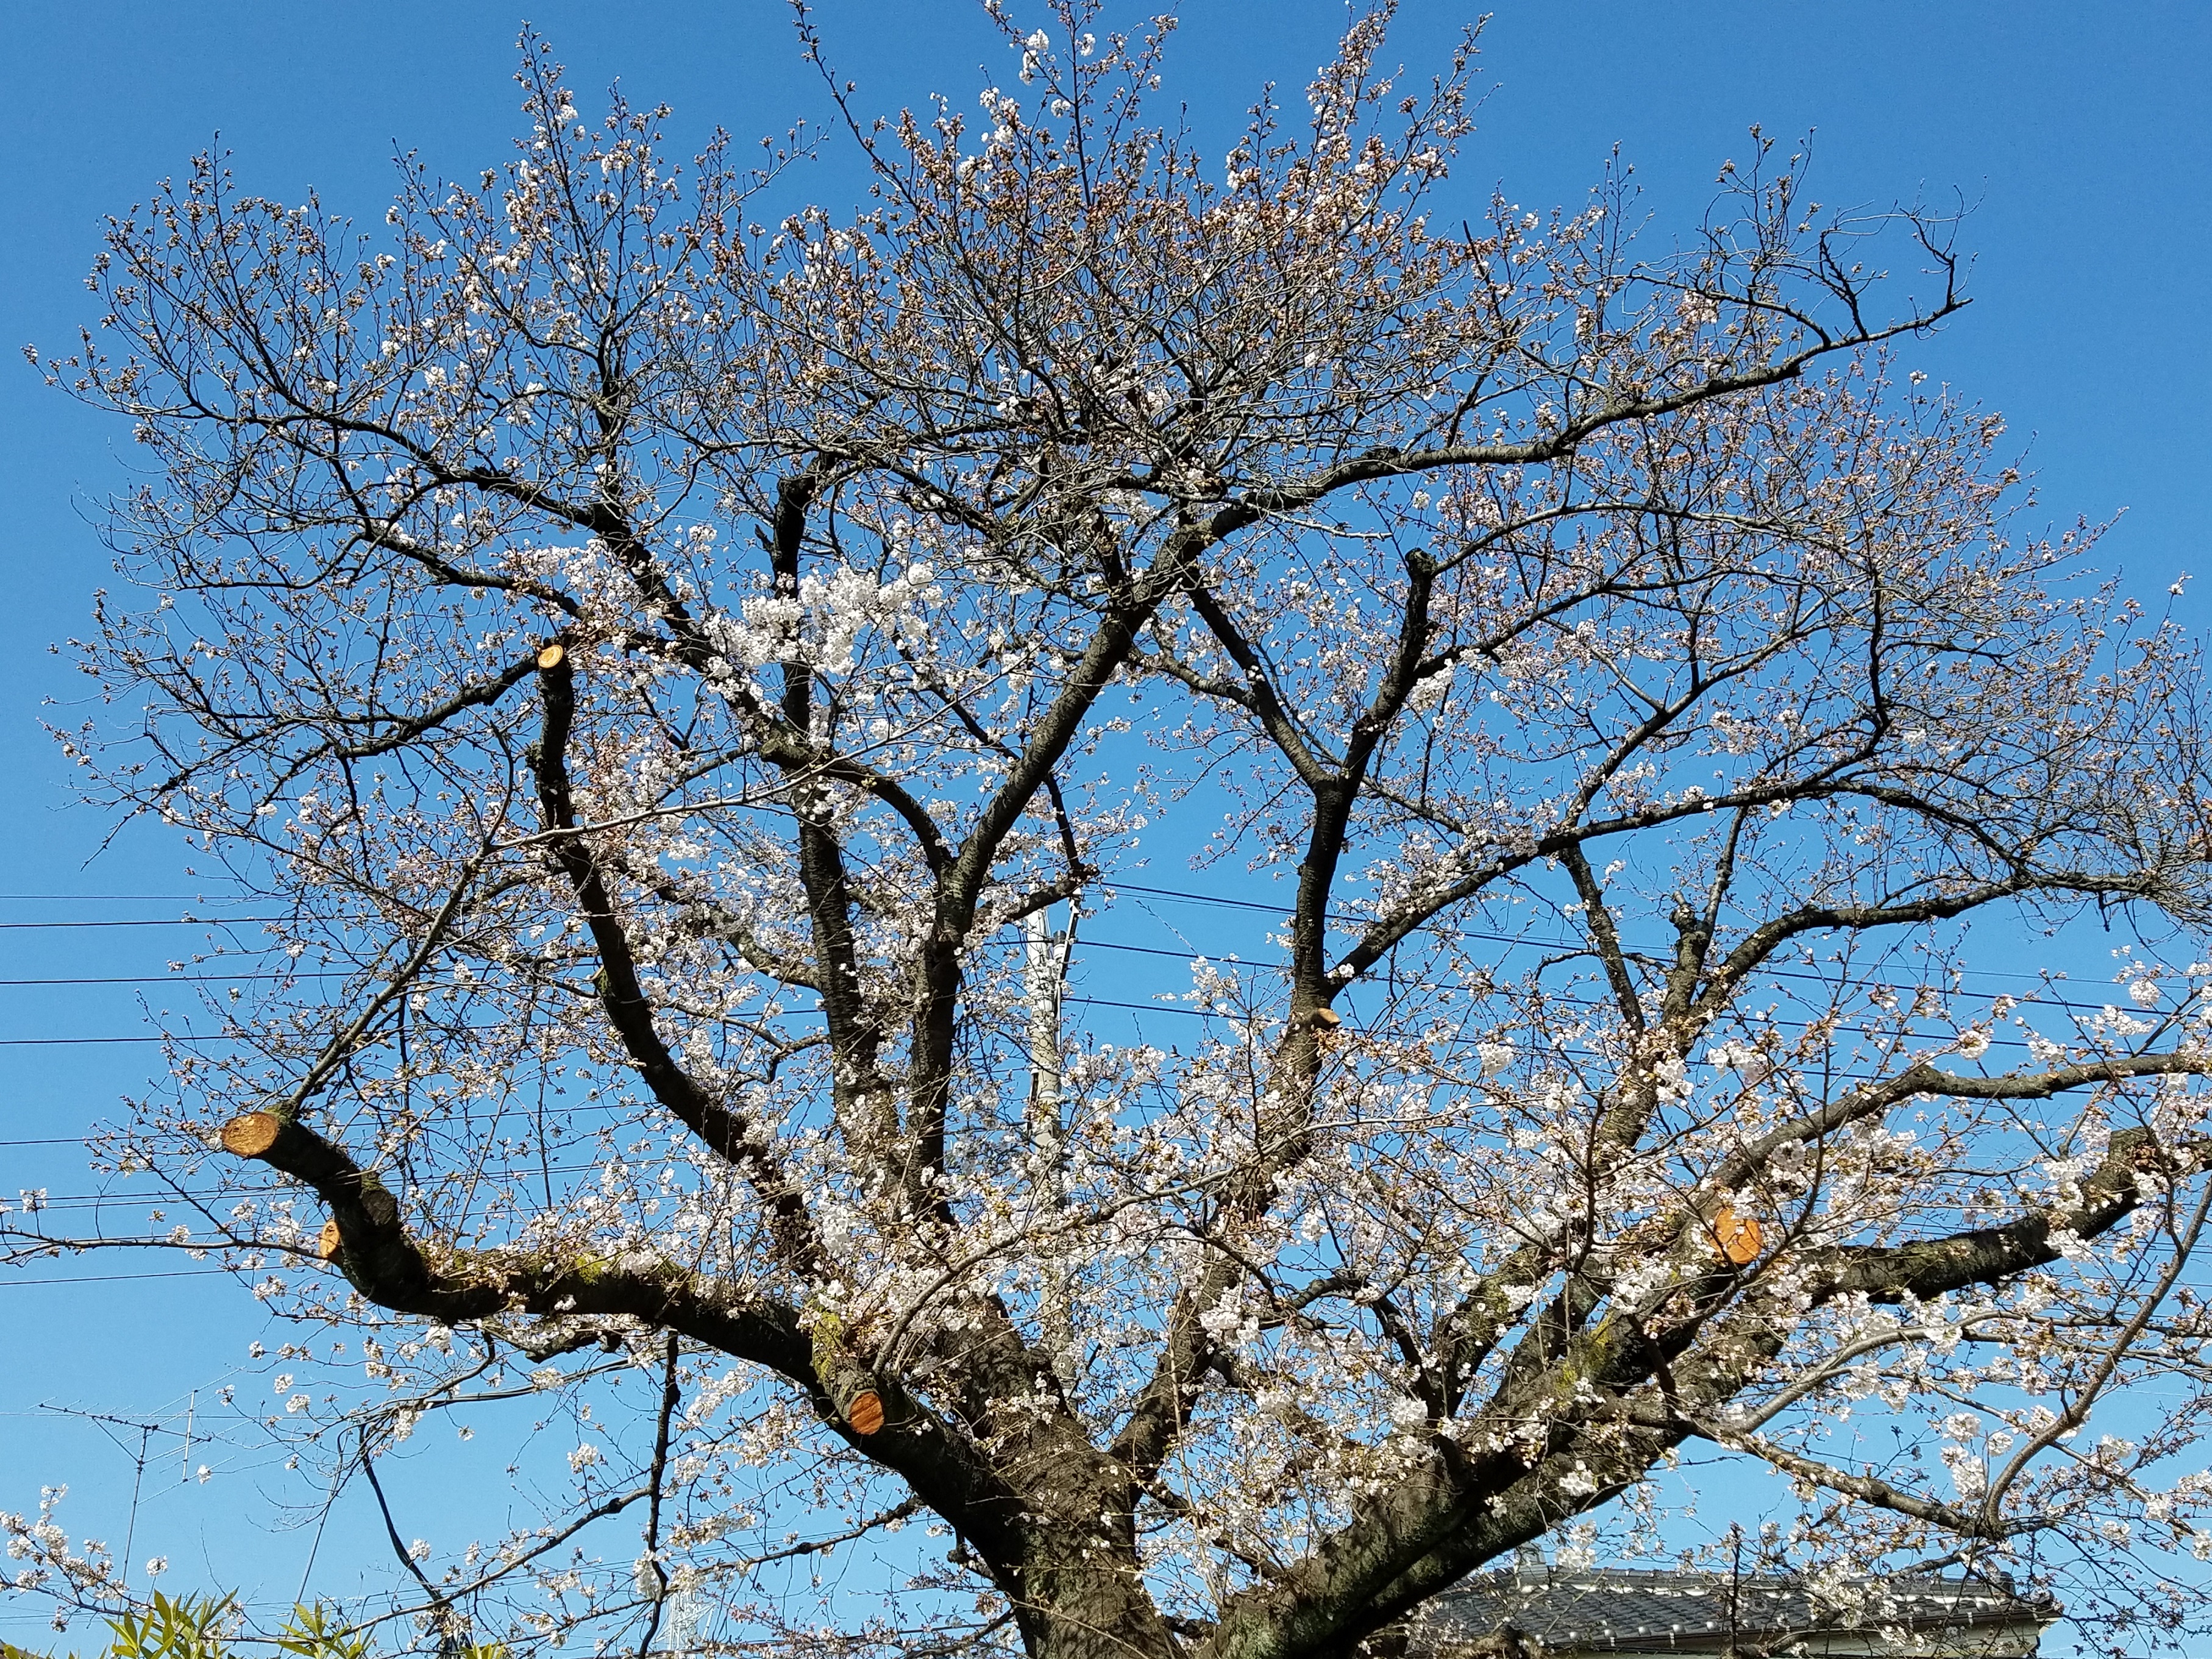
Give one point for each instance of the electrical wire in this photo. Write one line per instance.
(140, 921)
(117, 1278)
(1181, 895)
(122, 898)
(1099, 944)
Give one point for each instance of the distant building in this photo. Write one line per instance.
(1533, 1611)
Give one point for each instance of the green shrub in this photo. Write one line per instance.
(202, 1627)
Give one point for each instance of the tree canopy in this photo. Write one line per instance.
(678, 670)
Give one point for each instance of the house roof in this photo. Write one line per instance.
(1618, 1610)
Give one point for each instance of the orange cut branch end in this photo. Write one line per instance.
(252, 1134)
(327, 1243)
(1740, 1237)
(865, 1414)
(550, 657)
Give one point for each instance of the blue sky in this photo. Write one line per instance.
(2076, 133)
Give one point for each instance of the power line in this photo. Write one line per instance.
(123, 898)
(172, 979)
(1182, 1011)
(506, 1172)
(1095, 945)
(1176, 893)
(1348, 918)
(1593, 1002)
(142, 921)
(1343, 917)
(1353, 919)
(112, 1279)
(180, 1038)
(101, 1042)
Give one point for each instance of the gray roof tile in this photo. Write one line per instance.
(1617, 1609)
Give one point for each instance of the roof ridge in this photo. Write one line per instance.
(1629, 1609)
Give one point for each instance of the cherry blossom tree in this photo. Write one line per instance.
(679, 668)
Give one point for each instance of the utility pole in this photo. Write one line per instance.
(102, 1421)
(686, 1614)
(1043, 980)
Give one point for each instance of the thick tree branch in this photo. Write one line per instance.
(729, 1132)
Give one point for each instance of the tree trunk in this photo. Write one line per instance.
(1086, 1601)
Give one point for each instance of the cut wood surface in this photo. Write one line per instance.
(1739, 1237)
(251, 1134)
(865, 1414)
